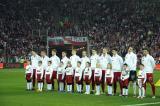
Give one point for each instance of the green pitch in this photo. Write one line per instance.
(13, 93)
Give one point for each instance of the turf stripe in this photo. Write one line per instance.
(143, 104)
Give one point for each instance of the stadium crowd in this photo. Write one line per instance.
(112, 23)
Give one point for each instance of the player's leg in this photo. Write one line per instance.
(150, 77)
(115, 83)
(34, 78)
(103, 81)
(93, 83)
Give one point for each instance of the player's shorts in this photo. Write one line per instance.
(28, 77)
(108, 80)
(77, 80)
(125, 82)
(86, 79)
(97, 81)
(117, 76)
(132, 75)
(39, 78)
(60, 78)
(69, 79)
(48, 80)
(54, 74)
(149, 77)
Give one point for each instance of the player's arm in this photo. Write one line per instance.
(153, 62)
(112, 77)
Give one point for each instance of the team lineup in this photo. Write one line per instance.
(98, 74)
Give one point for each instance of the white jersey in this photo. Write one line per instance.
(88, 72)
(149, 63)
(74, 59)
(49, 70)
(40, 70)
(104, 60)
(109, 73)
(69, 71)
(98, 72)
(55, 62)
(84, 60)
(34, 60)
(45, 60)
(131, 61)
(78, 72)
(125, 74)
(65, 60)
(29, 69)
(117, 63)
(94, 60)
(61, 71)
(142, 75)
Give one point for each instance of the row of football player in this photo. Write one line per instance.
(130, 60)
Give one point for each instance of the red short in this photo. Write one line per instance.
(117, 76)
(103, 72)
(60, 77)
(54, 74)
(86, 79)
(39, 78)
(97, 81)
(48, 80)
(77, 79)
(125, 82)
(149, 77)
(28, 76)
(69, 79)
(108, 80)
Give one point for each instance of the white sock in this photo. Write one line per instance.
(27, 85)
(98, 89)
(68, 87)
(134, 88)
(87, 88)
(71, 88)
(143, 92)
(108, 89)
(30, 85)
(80, 88)
(77, 87)
(127, 92)
(111, 90)
(39, 86)
(123, 91)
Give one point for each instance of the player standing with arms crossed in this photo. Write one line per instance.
(117, 63)
(94, 59)
(149, 65)
(131, 61)
(104, 59)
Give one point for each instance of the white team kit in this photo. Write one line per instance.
(89, 73)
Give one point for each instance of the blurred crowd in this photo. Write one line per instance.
(24, 24)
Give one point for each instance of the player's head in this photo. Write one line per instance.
(141, 66)
(54, 51)
(145, 51)
(84, 53)
(69, 64)
(33, 52)
(105, 50)
(49, 63)
(130, 49)
(78, 64)
(88, 64)
(125, 66)
(64, 53)
(94, 52)
(114, 51)
(39, 63)
(74, 52)
(109, 66)
(43, 53)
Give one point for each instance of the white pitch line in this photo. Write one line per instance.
(143, 104)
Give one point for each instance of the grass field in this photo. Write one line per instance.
(13, 93)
